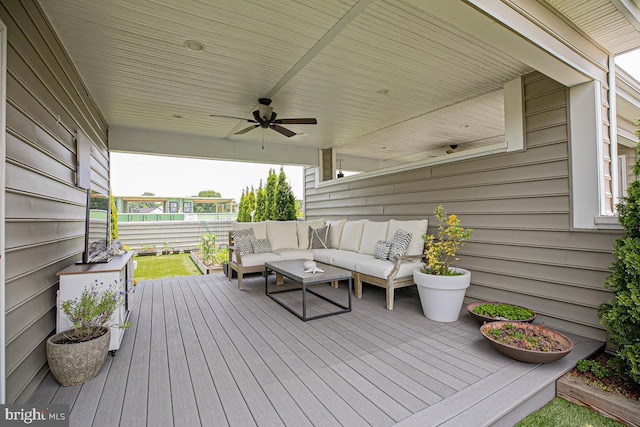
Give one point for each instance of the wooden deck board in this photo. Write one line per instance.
(202, 352)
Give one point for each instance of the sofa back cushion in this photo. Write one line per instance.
(303, 231)
(416, 227)
(282, 234)
(336, 231)
(259, 228)
(371, 234)
(352, 235)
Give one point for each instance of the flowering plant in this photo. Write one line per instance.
(441, 254)
(92, 310)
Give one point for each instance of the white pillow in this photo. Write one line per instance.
(259, 228)
(303, 231)
(371, 234)
(352, 235)
(416, 227)
(336, 231)
(282, 234)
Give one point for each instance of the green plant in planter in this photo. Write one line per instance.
(503, 311)
(440, 254)
(208, 248)
(621, 315)
(92, 310)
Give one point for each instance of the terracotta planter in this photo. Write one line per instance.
(442, 296)
(524, 355)
(480, 318)
(74, 364)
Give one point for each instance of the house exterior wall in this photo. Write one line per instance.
(524, 250)
(45, 211)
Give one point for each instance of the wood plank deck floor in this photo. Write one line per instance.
(201, 352)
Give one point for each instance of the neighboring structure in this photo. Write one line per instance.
(530, 87)
(174, 205)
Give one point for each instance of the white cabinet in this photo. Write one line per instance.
(75, 278)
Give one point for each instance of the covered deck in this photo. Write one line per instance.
(202, 352)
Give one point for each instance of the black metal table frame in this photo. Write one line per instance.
(304, 317)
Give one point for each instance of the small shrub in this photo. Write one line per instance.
(596, 368)
(503, 311)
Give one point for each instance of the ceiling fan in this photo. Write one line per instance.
(265, 118)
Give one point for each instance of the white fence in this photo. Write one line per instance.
(178, 235)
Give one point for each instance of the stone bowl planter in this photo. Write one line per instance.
(481, 318)
(76, 363)
(522, 354)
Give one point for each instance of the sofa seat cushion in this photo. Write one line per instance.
(251, 260)
(295, 254)
(381, 269)
(348, 259)
(325, 255)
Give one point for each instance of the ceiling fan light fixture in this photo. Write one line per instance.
(194, 45)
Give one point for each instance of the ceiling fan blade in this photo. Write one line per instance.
(304, 121)
(286, 132)
(231, 117)
(247, 129)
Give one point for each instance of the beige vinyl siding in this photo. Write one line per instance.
(523, 250)
(45, 211)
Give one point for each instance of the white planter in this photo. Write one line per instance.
(442, 296)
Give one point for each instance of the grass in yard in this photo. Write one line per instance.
(165, 267)
(560, 413)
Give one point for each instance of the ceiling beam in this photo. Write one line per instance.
(146, 141)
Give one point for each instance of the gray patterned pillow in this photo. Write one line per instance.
(319, 238)
(399, 244)
(261, 246)
(382, 250)
(243, 239)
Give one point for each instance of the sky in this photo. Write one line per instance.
(134, 174)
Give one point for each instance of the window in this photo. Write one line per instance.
(187, 207)
(173, 207)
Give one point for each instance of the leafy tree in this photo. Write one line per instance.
(136, 206)
(271, 195)
(114, 219)
(206, 207)
(209, 193)
(285, 200)
(621, 315)
(261, 200)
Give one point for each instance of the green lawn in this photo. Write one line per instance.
(560, 413)
(165, 267)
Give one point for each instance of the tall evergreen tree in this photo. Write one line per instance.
(242, 208)
(621, 315)
(114, 219)
(251, 203)
(261, 200)
(271, 193)
(285, 200)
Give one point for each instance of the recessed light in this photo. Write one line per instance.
(176, 116)
(463, 126)
(194, 45)
(383, 92)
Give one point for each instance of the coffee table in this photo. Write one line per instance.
(294, 270)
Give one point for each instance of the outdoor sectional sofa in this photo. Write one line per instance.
(360, 246)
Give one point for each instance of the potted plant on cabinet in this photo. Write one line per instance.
(76, 355)
(441, 286)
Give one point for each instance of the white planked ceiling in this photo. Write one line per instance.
(314, 59)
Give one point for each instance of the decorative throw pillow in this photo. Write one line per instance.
(243, 239)
(399, 244)
(261, 246)
(382, 250)
(319, 238)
